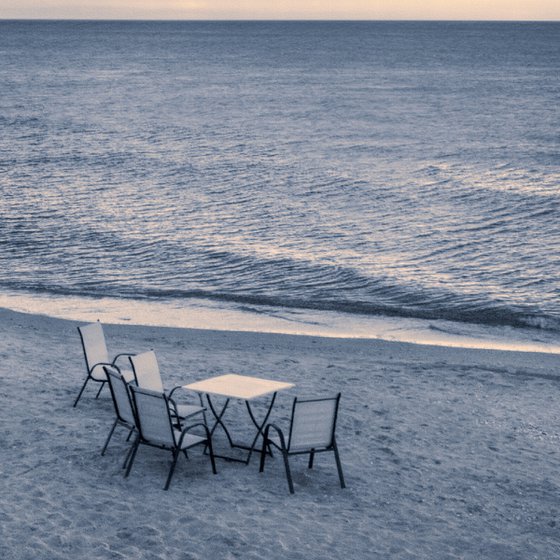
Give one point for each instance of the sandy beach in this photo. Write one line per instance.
(447, 453)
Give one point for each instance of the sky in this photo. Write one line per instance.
(282, 9)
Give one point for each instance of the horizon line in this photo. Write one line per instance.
(280, 20)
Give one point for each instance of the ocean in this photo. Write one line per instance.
(399, 171)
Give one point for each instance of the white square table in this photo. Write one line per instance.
(246, 388)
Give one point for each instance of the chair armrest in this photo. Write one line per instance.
(186, 429)
(278, 431)
(170, 393)
(120, 356)
(106, 366)
(103, 364)
(171, 402)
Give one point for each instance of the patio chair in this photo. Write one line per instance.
(311, 431)
(97, 356)
(157, 428)
(122, 402)
(147, 374)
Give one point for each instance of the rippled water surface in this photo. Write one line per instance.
(407, 169)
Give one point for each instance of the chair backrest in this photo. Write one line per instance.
(146, 371)
(93, 342)
(153, 417)
(313, 423)
(120, 394)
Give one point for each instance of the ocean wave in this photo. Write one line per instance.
(403, 305)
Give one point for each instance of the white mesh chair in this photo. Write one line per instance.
(312, 428)
(122, 402)
(97, 356)
(147, 374)
(157, 428)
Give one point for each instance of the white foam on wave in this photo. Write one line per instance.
(207, 314)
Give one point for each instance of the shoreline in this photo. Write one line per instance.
(210, 315)
(412, 350)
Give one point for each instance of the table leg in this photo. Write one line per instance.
(218, 418)
(260, 427)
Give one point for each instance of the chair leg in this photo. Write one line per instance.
(81, 391)
(172, 469)
(132, 456)
(339, 466)
(263, 453)
(311, 456)
(204, 411)
(211, 452)
(288, 472)
(109, 436)
(128, 454)
(100, 388)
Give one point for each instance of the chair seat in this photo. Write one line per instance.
(186, 410)
(188, 440)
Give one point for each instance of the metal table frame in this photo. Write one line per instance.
(243, 387)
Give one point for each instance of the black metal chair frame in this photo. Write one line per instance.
(90, 368)
(119, 420)
(175, 449)
(169, 394)
(285, 449)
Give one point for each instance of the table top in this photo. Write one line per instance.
(238, 386)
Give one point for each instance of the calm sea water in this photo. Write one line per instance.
(407, 169)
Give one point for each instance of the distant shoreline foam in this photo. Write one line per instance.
(213, 315)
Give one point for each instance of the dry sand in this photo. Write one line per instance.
(448, 453)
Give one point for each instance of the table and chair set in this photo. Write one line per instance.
(154, 418)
